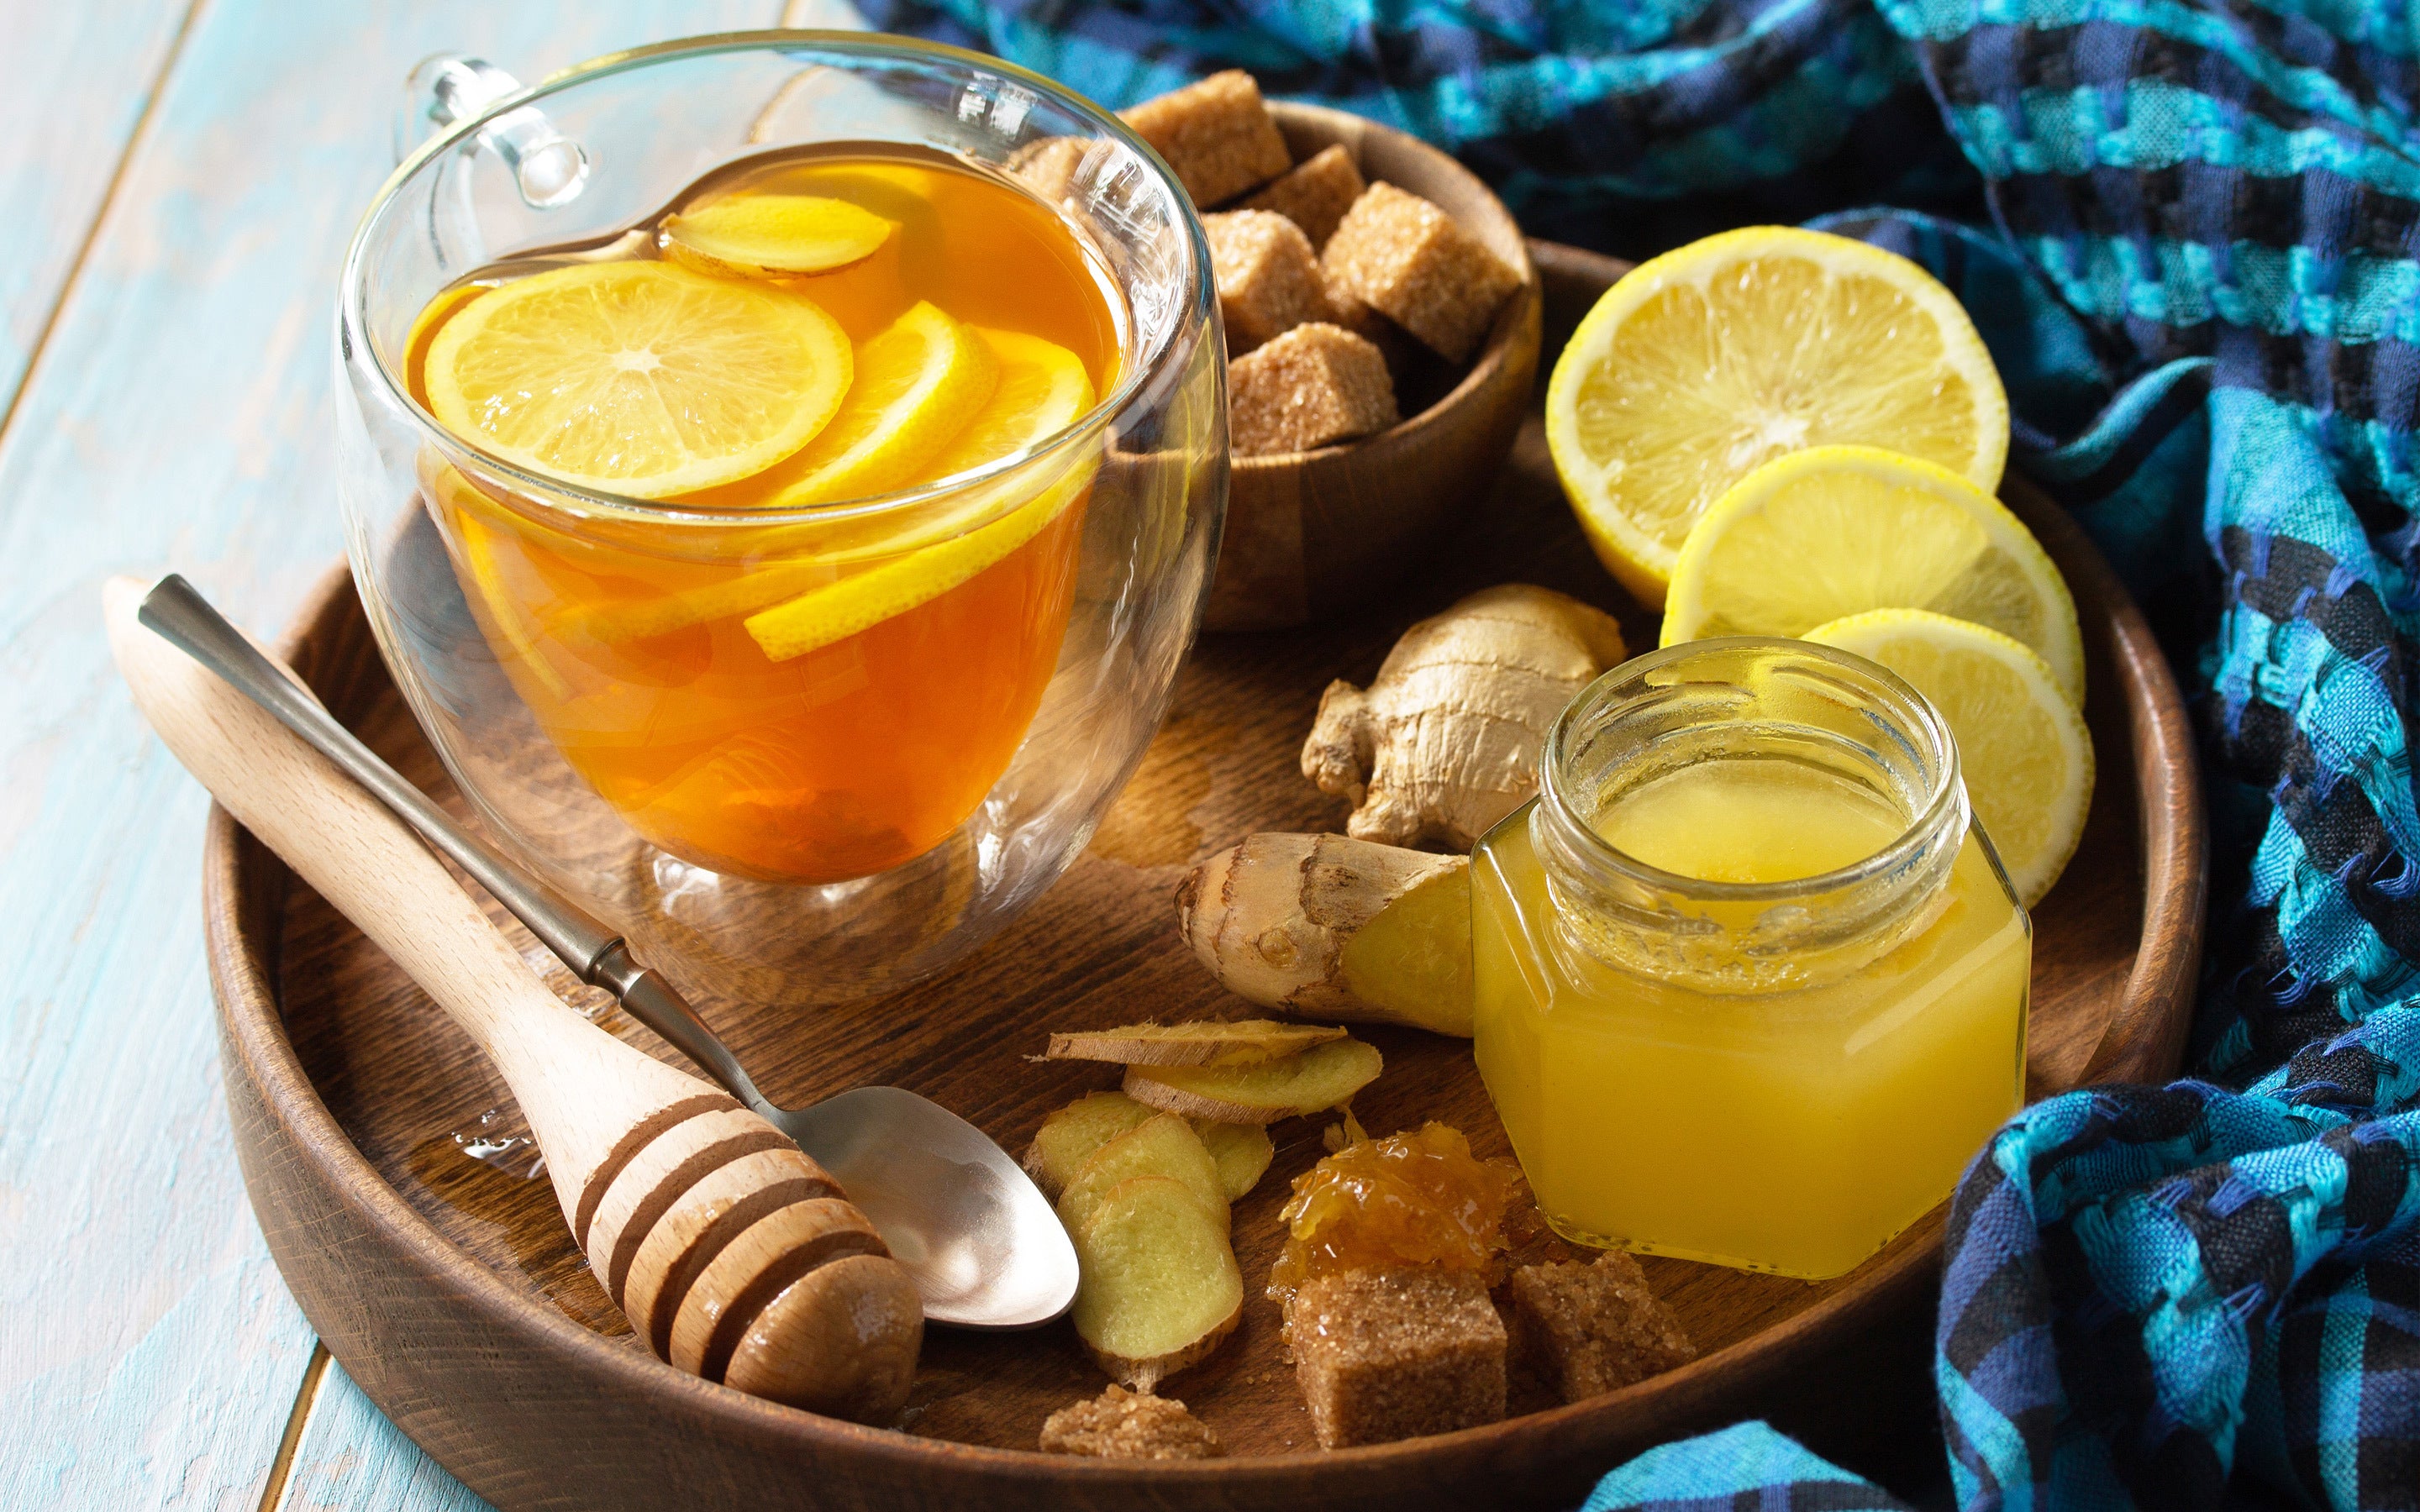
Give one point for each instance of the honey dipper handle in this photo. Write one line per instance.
(594, 951)
(578, 1085)
(735, 1256)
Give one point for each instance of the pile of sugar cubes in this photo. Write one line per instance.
(1330, 288)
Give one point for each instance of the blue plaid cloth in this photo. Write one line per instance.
(2189, 231)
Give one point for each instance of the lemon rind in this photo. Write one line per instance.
(1643, 563)
(1685, 609)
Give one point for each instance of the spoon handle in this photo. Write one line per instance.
(734, 1256)
(594, 951)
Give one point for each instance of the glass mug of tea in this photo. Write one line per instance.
(783, 471)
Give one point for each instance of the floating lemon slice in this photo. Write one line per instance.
(1712, 359)
(638, 377)
(778, 234)
(853, 605)
(919, 384)
(1042, 390)
(2026, 755)
(1817, 536)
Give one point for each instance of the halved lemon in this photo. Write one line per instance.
(1701, 364)
(919, 384)
(2026, 755)
(638, 377)
(754, 234)
(1820, 535)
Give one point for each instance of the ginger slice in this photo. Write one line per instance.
(1324, 1077)
(1159, 1287)
(1075, 1132)
(1240, 1042)
(1242, 1152)
(1345, 929)
(1445, 741)
(1163, 1146)
(756, 235)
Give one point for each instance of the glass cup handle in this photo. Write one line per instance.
(549, 168)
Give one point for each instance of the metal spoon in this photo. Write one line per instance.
(981, 1241)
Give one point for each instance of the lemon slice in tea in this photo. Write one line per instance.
(780, 234)
(1042, 390)
(858, 603)
(919, 384)
(1821, 535)
(638, 377)
(1702, 363)
(2026, 755)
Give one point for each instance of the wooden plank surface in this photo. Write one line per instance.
(352, 1459)
(80, 79)
(178, 417)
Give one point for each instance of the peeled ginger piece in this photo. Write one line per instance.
(1240, 1042)
(1324, 1077)
(1159, 1287)
(754, 235)
(1163, 1146)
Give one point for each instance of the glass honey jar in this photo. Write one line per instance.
(1751, 984)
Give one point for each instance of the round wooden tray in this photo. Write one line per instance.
(451, 1291)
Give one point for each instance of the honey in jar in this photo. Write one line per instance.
(842, 332)
(1752, 987)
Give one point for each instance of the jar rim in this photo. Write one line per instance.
(1915, 713)
(582, 501)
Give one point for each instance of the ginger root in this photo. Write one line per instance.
(1336, 928)
(1445, 741)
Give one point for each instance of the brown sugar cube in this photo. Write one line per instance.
(1407, 258)
(1216, 134)
(1314, 194)
(1268, 277)
(1314, 386)
(1591, 1328)
(1048, 166)
(1125, 1425)
(1383, 1355)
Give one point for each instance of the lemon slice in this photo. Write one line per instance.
(757, 234)
(858, 603)
(2025, 753)
(1813, 536)
(1704, 362)
(1042, 390)
(919, 384)
(638, 377)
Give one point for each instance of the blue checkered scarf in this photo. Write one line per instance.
(2189, 231)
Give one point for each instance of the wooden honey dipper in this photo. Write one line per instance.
(734, 1256)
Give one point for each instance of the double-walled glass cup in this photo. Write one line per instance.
(954, 680)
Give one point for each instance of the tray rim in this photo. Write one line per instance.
(307, 1144)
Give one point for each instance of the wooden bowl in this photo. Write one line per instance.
(451, 1291)
(1313, 535)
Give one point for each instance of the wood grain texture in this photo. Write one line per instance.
(1311, 535)
(455, 1295)
(352, 1460)
(80, 79)
(178, 417)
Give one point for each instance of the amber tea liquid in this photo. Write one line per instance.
(657, 657)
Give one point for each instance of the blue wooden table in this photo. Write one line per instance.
(178, 179)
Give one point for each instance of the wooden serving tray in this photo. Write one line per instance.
(452, 1293)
